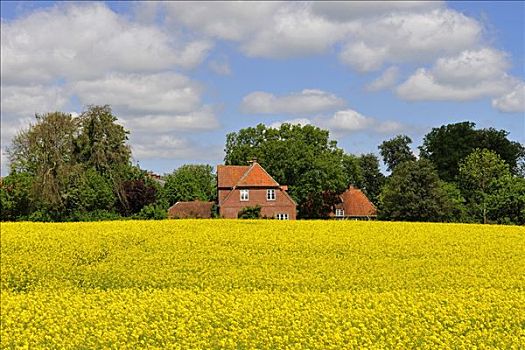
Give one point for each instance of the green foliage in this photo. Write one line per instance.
(250, 213)
(414, 192)
(102, 142)
(15, 201)
(396, 151)
(353, 171)
(507, 202)
(480, 176)
(191, 182)
(448, 145)
(373, 179)
(157, 211)
(302, 157)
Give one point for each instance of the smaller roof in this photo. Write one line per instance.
(356, 203)
(187, 210)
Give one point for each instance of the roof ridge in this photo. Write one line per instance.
(250, 169)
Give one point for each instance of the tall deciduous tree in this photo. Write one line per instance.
(46, 151)
(101, 141)
(396, 151)
(479, 175)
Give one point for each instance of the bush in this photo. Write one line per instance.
(250, 213)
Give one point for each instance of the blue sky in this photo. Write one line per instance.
(180, 76)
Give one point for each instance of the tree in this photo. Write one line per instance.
(102, 142)
(46, 151)
(396, 151)
(15, 192)
(353, 171)
(414, 192)
(448, 145)
(190, 182)
(479, 175)
(373, 179)
(302, 157)
(507, 203)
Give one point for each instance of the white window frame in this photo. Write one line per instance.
(282, 216)
(271, 197)
(339, 213)
(244, 195)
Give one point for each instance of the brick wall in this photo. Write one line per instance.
(231, 207)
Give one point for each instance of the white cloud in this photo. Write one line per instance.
(173, 147)
(202, 119)
(293, 31)
(140, 93)
(471, 67)
(469, 75)
(351, 10)
(308, 101)
(297, 121)
(408, 37)
(386, 80)
(85, 41)
(26, 101)
(349, 120)
(230, 20)
(513, 102)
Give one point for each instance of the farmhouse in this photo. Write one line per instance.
(354, 204)
(242, 186)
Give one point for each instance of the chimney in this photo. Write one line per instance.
(253, 160)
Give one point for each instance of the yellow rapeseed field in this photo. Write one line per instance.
(222, 284)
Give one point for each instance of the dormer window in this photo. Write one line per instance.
(245, 195)
(270, 195)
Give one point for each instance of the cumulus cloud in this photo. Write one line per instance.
(351, 10)
(139, 93)
(408, 37)
(202, 119)
(469, 75)
(308, 101)
(173, 147)
(512, 102)
(349, 120)
(84, 41)
(387, 79)
(26, 101)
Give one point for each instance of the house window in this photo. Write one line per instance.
(270, 195)
(282, 216)
(339, 213)
(245, 195)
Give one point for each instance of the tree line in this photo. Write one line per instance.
(66, 168)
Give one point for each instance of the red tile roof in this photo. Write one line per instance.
(187, 210)
(229, 175)
(244, 176)
(257, 176)
(356, 203)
